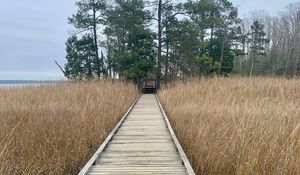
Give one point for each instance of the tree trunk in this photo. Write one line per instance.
(96, 40)
(296, 66)
(222, 53)
(89, 69)
(159, 37)
(212, 33)
(109, 58)
(252, 66)
(103, 70)
(243, 57)
(167, 64)
(167, 56)
(287, 66)
(212, 27)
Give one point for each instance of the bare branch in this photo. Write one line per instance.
(152, 18)
(80, 31)
(171, 18)
(62, 70)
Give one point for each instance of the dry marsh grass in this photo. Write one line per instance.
(237, 125)
(55, 129)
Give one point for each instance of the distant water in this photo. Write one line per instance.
(23, 83)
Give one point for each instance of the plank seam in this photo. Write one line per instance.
(181, 152)
(94, 158)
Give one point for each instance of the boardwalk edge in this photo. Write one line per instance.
(93, 159)
(182, 154)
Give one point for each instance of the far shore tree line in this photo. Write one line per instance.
(164, 39)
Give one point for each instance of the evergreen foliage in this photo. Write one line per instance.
(140, 39)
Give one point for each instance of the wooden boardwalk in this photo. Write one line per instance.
(143, 142)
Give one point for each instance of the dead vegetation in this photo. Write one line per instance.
(237, 125)
(55, 129)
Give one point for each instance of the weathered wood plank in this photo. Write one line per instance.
(138, 154)
(141, 144)
(141, 137)
(136, 173)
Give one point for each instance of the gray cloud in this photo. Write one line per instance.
(32, 35)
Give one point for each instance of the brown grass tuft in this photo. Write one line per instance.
(237, 125)
(55, 129)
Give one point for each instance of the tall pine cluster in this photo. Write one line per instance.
(136, 39)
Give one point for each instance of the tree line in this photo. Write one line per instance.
(278, 39)
(164, 39)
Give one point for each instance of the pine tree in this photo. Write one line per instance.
(80, 57)
(257, 39)
(133, 43)
(87, 19)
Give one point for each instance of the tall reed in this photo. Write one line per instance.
(237, 125)
(55, 129)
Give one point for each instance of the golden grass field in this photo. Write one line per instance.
(237, 126)
(55, 129)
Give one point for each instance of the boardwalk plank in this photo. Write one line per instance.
(142, 144)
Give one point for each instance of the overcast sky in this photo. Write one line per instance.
(33, 34)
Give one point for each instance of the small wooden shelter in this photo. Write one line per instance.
(149, 86)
